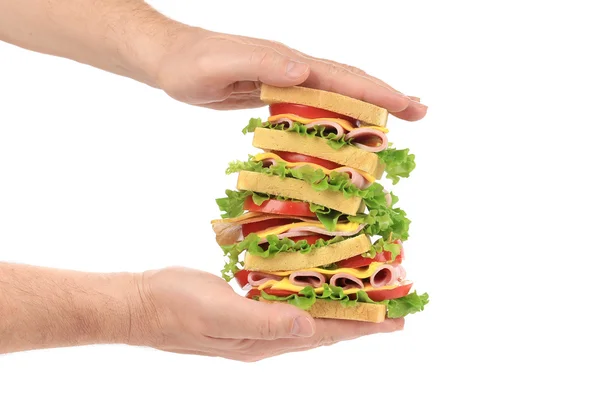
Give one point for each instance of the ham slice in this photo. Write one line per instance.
(288, 122)
(256, 278)
(386, 275)
(229, 230)
(311, 230)
(307, 278)
(331, 125)
(368, 139)
(357, 179)
(346, 281)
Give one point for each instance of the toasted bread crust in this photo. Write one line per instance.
(299, 190)
(332, 309)
(335, 102)
(349, 156)
(315, 258)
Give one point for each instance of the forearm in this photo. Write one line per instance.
(126, 37)
(44, 308)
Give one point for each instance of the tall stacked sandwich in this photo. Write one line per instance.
(315, 228)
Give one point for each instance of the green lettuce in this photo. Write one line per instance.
(396, 308)
(398, 163)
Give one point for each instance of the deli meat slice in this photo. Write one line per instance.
(357, 179)
(346, 281)
(307, 278)
(311, 230)
(368, 139)
(386, 275)
(229, 231)
(256, 278)
(331, 125)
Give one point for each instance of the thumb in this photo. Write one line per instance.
(264, 64)
(251, 319)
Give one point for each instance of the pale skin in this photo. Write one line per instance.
(174, 309)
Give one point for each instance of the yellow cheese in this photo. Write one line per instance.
(344, 124)
(341, 227)
(285, 284)
(264, 156)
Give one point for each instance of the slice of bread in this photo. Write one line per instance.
(335, 102)
(349, 156)
(298, 190)
(315, 258)
(332, 309)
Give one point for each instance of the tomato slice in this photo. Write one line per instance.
(282, 207)
(262, 225)
(296, 157)
(306, 111)
(360, 261)
(389, 294)
(274, 292)
(242, 277)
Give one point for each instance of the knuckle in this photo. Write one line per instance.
(268, 329)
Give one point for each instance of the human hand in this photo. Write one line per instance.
(194, 312)
(221, 71)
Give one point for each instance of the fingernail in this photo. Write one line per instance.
(295, 70)
(302, 327)
(415, 98)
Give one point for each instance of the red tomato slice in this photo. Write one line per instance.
(242, 277)
(360, 261)
(282, 207)
(274, 292)
(262, 225)
(296, 157)
(389, 294)
(306, 112)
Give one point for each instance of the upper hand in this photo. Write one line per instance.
(194, 312)
(223, 71)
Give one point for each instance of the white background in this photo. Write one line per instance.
(101, 173)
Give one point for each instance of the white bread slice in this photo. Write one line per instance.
(298, 190)
(349, 156)
(335, 102)
(332, 309)
(315, 258)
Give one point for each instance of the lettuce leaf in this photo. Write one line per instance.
(398, 163)
(396, 308)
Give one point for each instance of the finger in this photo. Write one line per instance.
(328, 332)
(246, 87)
(236, 317)
(414, 112)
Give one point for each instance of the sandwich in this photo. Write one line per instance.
(310, 222)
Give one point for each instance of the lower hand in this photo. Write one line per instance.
(223, 72)
(194, 312)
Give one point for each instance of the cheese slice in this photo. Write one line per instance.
(360, 273)
(340, 227)
(344, 124)
(285, 284)
(264, 156)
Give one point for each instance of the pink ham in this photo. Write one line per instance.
(329, 124)
(288, 122)
(311, 230)
(384, 275)
(400, 272)
(307, 278)
(357, 179)
(361, 137)
(258, 278)
(346, 281)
